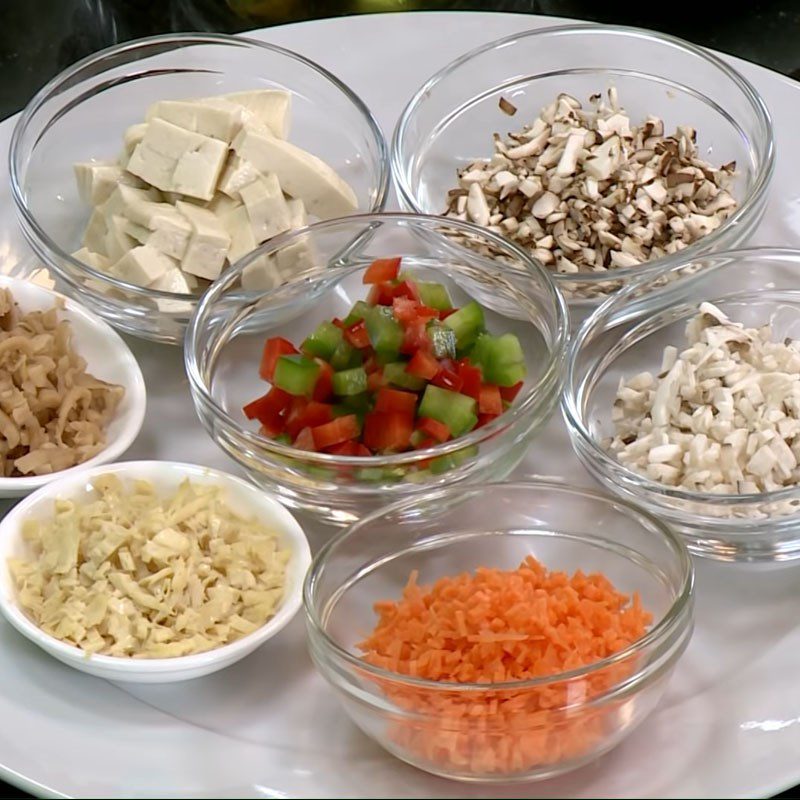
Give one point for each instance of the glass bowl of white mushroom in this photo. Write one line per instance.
(609, 153)
(693, 409)
(142, 172)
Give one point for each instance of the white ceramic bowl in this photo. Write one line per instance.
(107, 357)
(241, 497)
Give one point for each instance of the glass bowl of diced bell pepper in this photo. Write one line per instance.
(393, 363)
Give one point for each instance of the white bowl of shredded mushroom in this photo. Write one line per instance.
(150, 571)
(71, 392)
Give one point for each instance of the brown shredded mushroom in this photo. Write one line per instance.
(53, 413)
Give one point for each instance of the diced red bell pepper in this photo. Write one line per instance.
(389, 400)
(339, 430)
(485, 419)
(423, 365)
(357, 335)
(269, 406)
(471, 378)
(323, 388)
(381, 294)
(388, 431)
(509, 393)
(415, 337)
(424, 444)
(294, 418)
(348, 448)
(273, 428)
(273, 350)
(339, 323)
(304, 440)
(371, 365)
(448, 379)
(489, 400)
(317, 414)
(381, 270)
(446, 312)
(433, 429)
(406, 289)
(407, 310)
(375, 380)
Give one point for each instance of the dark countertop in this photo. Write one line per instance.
(38, 38)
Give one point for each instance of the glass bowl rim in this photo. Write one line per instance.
(604, 318)
(658, 634)
(550, 378)
(16, 167)
(648, 268)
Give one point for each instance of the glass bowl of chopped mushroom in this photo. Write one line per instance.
(150, 571)
(693, 409)
(141, 173)
(609, 153)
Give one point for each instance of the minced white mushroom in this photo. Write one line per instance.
(722, 416)
(584, 190)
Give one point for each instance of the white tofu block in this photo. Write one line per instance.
(237, 223)
(197, 172)
(171, 140)
(142, 265)
(297, 213)
(94, 237)
(96, 180)
(222, 205)
(118, 241)
(266, 207)
(301, 174)
(215, 117)
(175, 280)
(208, 244)
(236, 174)
(125, 197)
(95, 260)
(167, 237)
(152, 167)
(300, 255)
(270, 107)
(132, 136)
(261, 275)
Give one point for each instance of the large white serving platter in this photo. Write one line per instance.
(269, 727)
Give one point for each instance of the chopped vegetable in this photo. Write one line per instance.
(502, 626)
(385, 379)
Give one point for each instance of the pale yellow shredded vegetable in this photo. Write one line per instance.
(131, 573)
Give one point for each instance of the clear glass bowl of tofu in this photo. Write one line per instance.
(692, 408)
(227, 335)
(141, 173)
(609, 153)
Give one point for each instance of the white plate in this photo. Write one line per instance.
(268, 726)
(107, 357)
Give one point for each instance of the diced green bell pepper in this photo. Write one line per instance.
(358, 312)
(350, 381)
(467, 323)
(434, 295)
(345, 356)
(296, 375)
(457, 411)
(500, 358)
(452, 460)
(385, 332)
(395, 373)
(443, 340)
(323, 341)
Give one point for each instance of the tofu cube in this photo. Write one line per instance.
(266, 207)
(175, 280)
(214, 117)
(236, 174)
(132, 136)
(262, 274)
(94, 237)
(300, 255)
(96, 181)
(198, 171)
(125, 197)
(95, 260)
(152, 167)
(237, 223)
(170, 235)
(142, 266)
(270, 108)
(302, 175)
(208, 244)
(118, 242)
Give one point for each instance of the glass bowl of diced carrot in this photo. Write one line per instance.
(508, 632)
(388, 361)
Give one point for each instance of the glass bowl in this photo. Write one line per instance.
(82, 114)
(558, 722)
(450, 121)
(753, 286)
(226, 337)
